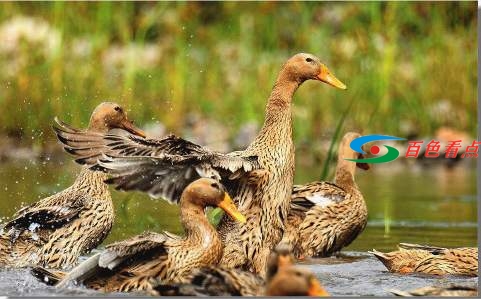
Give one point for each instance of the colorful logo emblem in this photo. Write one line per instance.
(391, 155)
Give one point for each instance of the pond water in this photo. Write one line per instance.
(406, 202)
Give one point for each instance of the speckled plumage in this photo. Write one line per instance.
(260, 178)
(325, 217)
(137, 263)
(56, 230)
(281, 279)
(413, 258)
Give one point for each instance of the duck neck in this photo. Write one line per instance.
(278, 110)
(92, 182)
(196, 225)
(344, 177)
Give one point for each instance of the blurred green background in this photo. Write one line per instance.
(206, 69)
(409, 67)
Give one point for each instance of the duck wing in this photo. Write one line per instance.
(125, 255)
(431, 249)
(160, 167)
(116, 253)
(52, 216)
(322, 194)
(89, 146)
(459, 261)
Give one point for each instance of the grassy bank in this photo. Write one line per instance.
(408, 67)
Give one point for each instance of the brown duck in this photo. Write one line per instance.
(325, 217)
(136, 263)
(282, 279)
(413, 258)
(452, 290)
(54, 231)
(259, 178)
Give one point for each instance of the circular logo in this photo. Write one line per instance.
(391, 155)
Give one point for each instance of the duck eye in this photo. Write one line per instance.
(309, 59)
(118, 109)
(214, 185)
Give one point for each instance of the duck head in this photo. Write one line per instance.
(304, 66)
(108, 116)
(279, 258)
(294, 281)
(207, 192)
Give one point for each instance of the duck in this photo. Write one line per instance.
(415, 258)
(53, 232)
(452, 290)
(283, 279)
(132, 265)
(327, 216)
(294, 281)
(260, 178)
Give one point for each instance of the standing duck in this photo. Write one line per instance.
(134, 264)
(259, 178)
(325, 217)
(413, 258)
(56, 230)
(282, 279)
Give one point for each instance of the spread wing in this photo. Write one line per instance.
(320, 194)
(89, 146)
(160, 167)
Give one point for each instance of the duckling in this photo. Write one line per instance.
(414, 258)
(56, 230)
(324, 216)
(136, 263)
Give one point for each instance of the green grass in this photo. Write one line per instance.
(221, 59)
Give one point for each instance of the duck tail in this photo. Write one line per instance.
(81, 272)
(386, 260)
(49, 277)
(380, 255)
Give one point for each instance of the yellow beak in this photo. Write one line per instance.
(326, 77)
(316, 290)
(229, 207)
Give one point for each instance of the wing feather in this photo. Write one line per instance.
(304, 197)
(160, 167)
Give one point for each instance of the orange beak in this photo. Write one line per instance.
(129, 126)
(326, 77)
(316, 289)
(229, 207)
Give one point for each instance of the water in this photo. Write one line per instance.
(406, 203)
